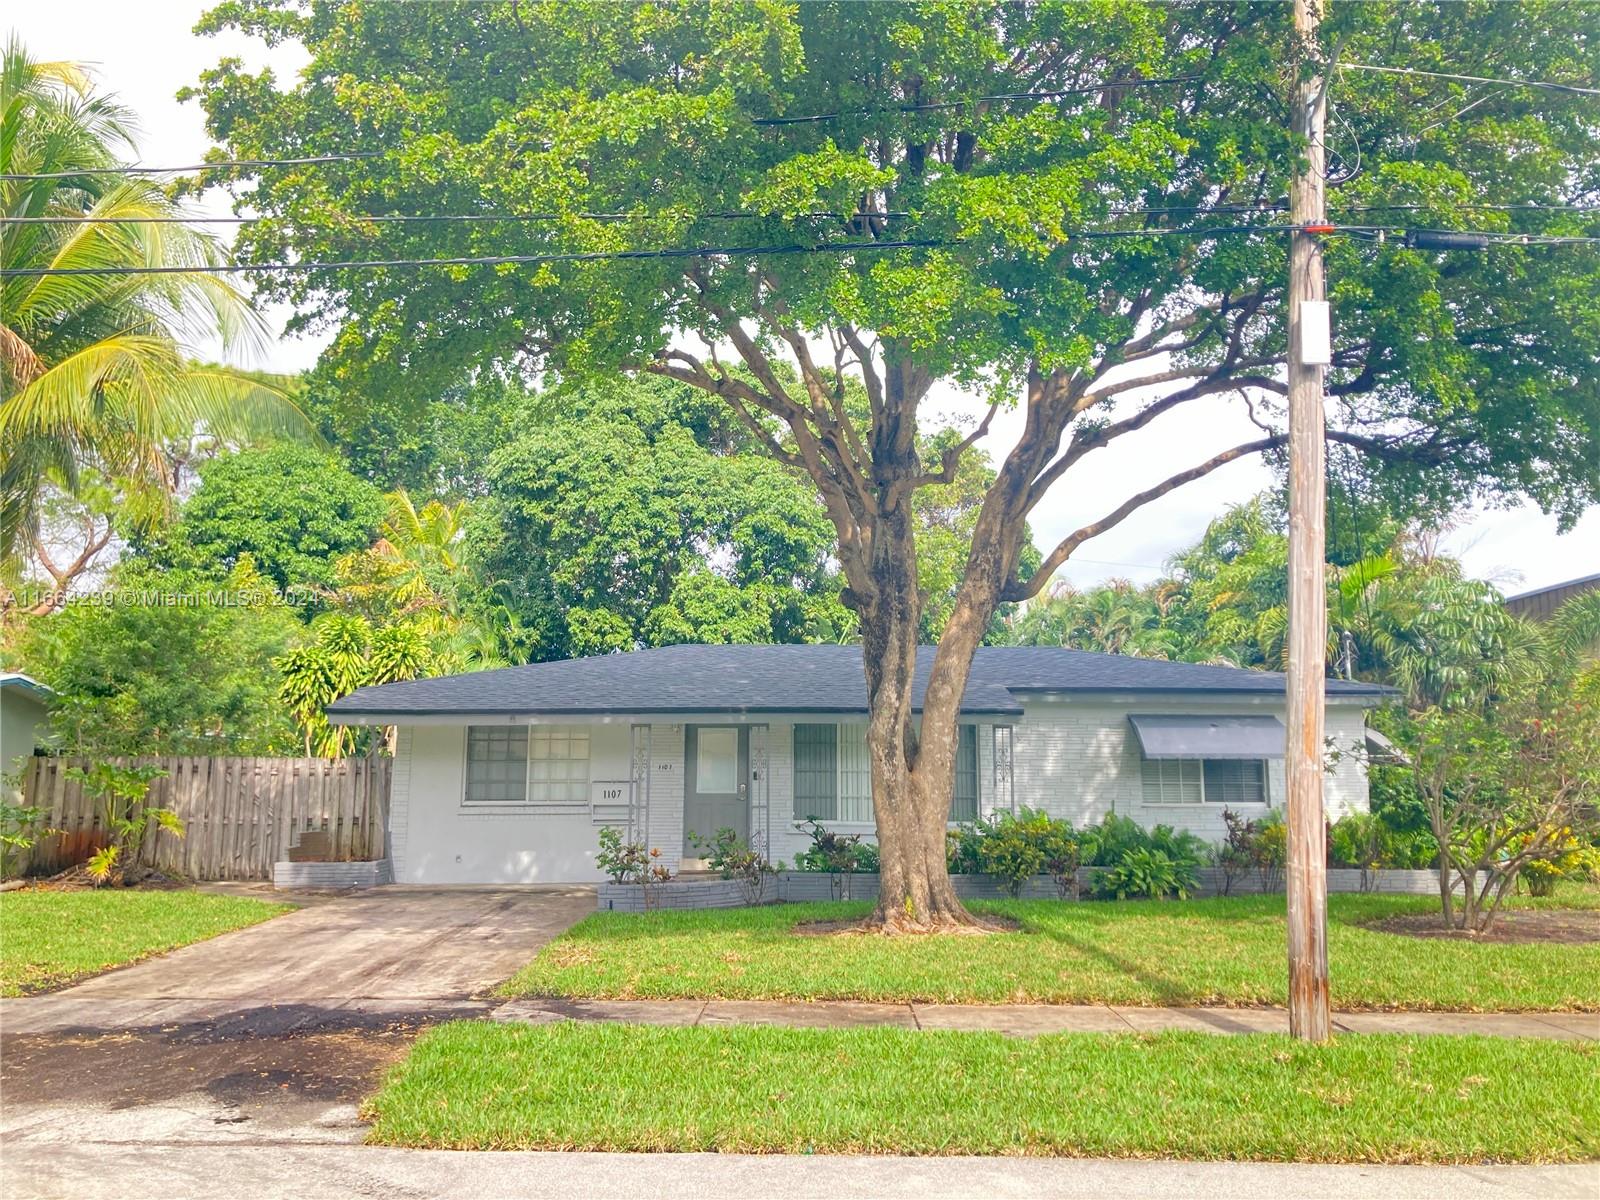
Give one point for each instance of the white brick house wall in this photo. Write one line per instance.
(1080, 760)
(1074, 758)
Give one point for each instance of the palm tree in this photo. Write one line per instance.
(99, 370)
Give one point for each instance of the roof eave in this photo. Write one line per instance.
(356, 716)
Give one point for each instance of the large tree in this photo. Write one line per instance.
(924, 175)
(294, 510)
(639, 514)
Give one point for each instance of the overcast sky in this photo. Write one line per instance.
(146, 52)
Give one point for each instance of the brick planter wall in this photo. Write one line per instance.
(331, 874)
(797, 887)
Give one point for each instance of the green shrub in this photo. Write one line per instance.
(1370, 842)
(961, 848)
(1272, 851)
(1107, 843)
(621, 862)
(1567, 858)
(1011, 849)
(1148, 873)
(867, 859)
(829, 851)
(732, 857)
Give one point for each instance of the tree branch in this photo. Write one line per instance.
(1107, 434)
(1026, 589)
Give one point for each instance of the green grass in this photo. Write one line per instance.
(50, 939)
(481, 1085)
(1225, 951)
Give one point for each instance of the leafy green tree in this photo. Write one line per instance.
(176, 663)
(345, 652)
(1506, 763)
(948, 226)
(617, 525)
(431, 442)
(414, 568)
(99, 370)
(292, 509)
(1114, 618)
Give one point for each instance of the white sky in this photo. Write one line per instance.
(146, 51)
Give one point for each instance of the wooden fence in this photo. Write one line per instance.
(240, 814)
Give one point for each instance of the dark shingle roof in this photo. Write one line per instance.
(788, 679)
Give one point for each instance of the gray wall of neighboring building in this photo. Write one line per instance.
(23, 724)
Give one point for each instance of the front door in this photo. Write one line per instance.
(715, 789)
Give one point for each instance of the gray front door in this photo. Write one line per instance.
(716, 793)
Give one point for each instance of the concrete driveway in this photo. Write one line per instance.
(390, 949)
(267, 1035)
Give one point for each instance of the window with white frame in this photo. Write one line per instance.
(833, 773)
(1235, 781)
(497, 765)
(558, 764)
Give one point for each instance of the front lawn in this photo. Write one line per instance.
(1224, 951)
(49, 939)
(482, 1085)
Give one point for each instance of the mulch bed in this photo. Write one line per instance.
(1565, 926)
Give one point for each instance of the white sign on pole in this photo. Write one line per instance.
(1316, 334)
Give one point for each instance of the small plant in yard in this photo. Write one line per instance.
(1010, 853)
(1063, 855)
(656, 873)
(1259, 846)
(842, 855)
(1271, 849)
(1148, 873)
(1013, 849)
(622, 862)
(1158, 862)
(21, 825)
(1369, 843)
(732, 857)
(630, 862)
(1566, 858)
(128, 818)
(1233, 856)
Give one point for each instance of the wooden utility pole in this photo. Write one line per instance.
(1308, 617)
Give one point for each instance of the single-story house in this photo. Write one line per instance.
(24, 723)
(507, 776)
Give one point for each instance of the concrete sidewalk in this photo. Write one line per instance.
(119, 1171)
(1028, 1020)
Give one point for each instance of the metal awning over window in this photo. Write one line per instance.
(1383, 752)
(1209, 737)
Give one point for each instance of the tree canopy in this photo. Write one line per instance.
(98, 369)
(292, 509)
(177, 662)
(775, 204)
(638, 515)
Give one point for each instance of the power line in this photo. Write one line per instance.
(252, 163)
(1529, 83)
(889, 215)
(476, 261)
(264, 163)
(446, 218)
(612, 255)
(313, 160)
(1490, 237)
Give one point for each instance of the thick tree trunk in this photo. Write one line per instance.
(913, 774)
(913, 770)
